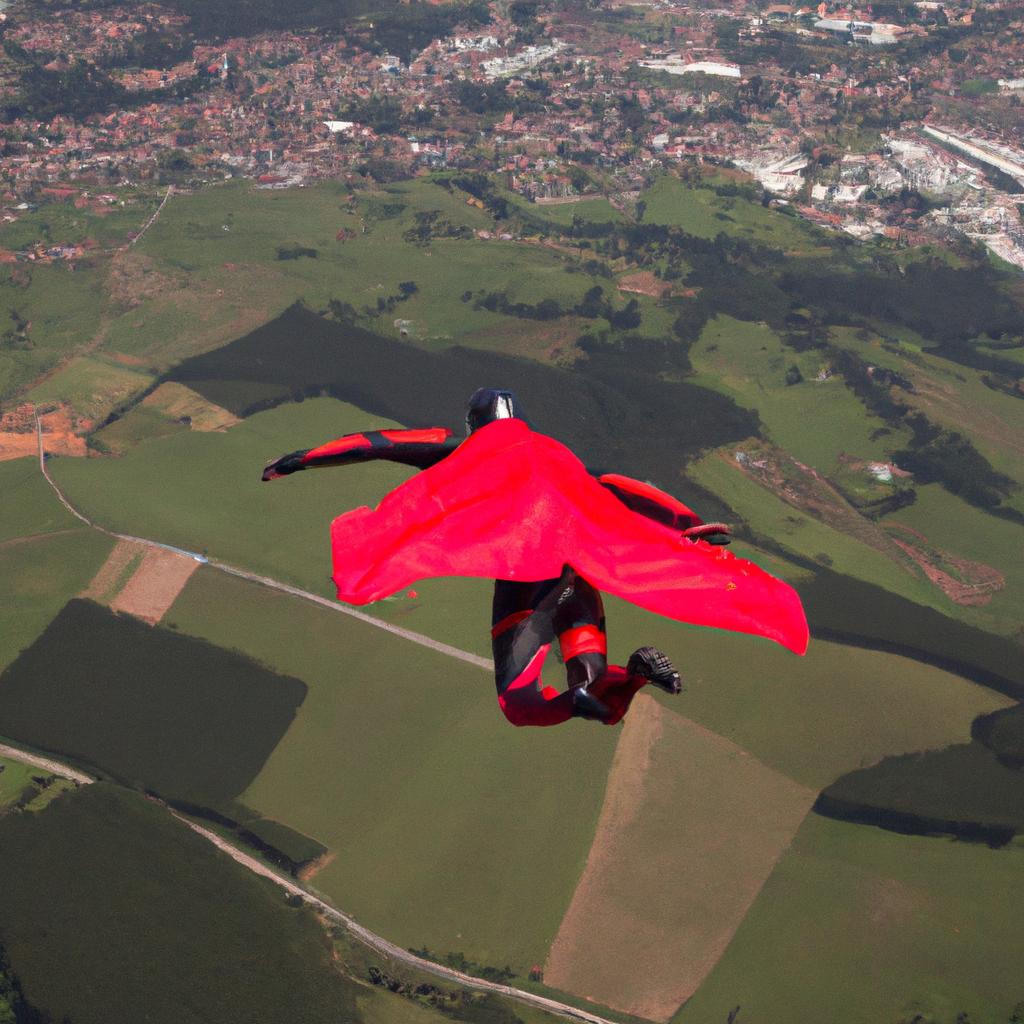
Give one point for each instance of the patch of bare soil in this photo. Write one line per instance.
(645, 282)
(314, 867)
(961, 580)
(690, 829)
(807, 490)
(18, 433)
(155, 584)
(133, 278)
(103, 584)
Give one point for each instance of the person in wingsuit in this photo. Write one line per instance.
(513, 505)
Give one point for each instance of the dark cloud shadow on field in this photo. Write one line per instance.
(149, 707)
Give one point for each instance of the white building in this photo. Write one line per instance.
(675, 65)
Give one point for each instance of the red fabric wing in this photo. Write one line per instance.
(511, 504)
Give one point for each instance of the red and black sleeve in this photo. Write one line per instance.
(417, 448)
(649, 501)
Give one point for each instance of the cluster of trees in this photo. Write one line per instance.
(594, 305)
(76, 91)
(498, 302)
(296, 252)
(386, 304)
(458, 1004)
(460, 962)
(937, 455)
(428, 224)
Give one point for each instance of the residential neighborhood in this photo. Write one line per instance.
(831, 109)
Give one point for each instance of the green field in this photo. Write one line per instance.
(953, 525)
(39, 576)
(451, 829)
(701, 212)
(807, 536)
(30, 508)
(962, 790)
(64, 310)
(153, 709)
(144, 920)
(220, 506)
(15, 779)
(858, 925)
(813, 718)
(93, 386)
(814, 421)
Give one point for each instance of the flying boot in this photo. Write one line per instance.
(656, 668)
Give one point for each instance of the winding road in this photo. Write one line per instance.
(364, 935)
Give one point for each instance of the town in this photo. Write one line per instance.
(884, 120)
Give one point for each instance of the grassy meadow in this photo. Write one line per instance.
(30, 508)
(39, 576)
(814, 421)
(15, 779)
(702, 212)
(857, 924)
(813, 718)
(451, 829)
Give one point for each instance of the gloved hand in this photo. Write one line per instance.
(285, 466)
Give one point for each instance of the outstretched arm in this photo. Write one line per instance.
(649, 501)
(418, 448)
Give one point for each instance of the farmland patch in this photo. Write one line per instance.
(859, 924)
(154, 585)
(174, 714)
(675, 902)
(442, 817)
(144, 920)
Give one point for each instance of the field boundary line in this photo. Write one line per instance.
(266, 581)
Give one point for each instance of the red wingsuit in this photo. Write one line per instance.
(511, 504)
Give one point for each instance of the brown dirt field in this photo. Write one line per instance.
(691, 828)
(176, 401)
(155, 585)
(644, 282)
(110, 571)
(18, 433)
(973, 584)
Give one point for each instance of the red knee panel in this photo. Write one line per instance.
(509, 621)
(582, 640)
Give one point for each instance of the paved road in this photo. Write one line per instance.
(364, 935)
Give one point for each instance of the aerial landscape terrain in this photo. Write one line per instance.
(766, 257)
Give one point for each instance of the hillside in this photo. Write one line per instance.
(807, 391)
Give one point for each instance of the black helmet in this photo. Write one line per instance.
(489, 404)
